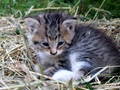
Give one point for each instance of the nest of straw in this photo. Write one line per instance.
(17, 58)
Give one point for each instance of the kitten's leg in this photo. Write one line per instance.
(47, 72)
(50, 71)
(79, 65)
(81, 69)
(78, 75)
(60, 65)
(63, 75)
(66, 75)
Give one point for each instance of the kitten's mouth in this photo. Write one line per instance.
(53, 53)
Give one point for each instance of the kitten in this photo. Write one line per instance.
(67, 50)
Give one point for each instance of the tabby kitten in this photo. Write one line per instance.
(67, 50)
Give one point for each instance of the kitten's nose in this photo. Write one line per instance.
(53, 53)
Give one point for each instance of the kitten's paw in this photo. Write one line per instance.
(63, 75)
(78, 75)
(49, 72)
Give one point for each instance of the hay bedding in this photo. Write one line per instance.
(16, 69)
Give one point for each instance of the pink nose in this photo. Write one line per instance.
(53, 53)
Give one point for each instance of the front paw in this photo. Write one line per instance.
(44, 76)
(63, 75)
(78, 75)
(49, 72)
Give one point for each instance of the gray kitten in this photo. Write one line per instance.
(67, 50)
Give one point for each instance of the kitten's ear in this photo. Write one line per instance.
(32, 24)
(69, 24)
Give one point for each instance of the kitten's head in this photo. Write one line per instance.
(51, 33)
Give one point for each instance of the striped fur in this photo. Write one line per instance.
(61, 44)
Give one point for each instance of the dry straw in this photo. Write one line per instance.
(16, 57)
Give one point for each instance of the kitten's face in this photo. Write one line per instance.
(50, 34)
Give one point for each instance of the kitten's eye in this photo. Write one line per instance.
(60, 43)
(45, 44)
